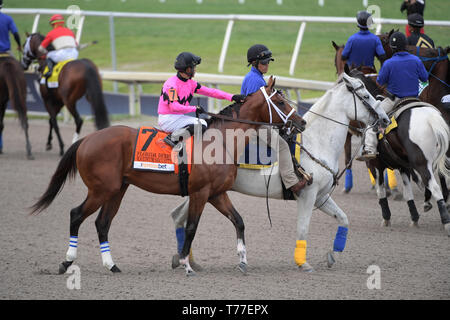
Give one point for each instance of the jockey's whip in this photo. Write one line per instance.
(85, 45)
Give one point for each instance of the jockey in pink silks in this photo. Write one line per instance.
(176, 94)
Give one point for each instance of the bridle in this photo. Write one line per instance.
(270, 105)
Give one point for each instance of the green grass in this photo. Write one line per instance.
(152, 45)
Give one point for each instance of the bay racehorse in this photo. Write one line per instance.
(77, 78)
(13, 87)
(417, 148)
(103, 160)
(322, 143)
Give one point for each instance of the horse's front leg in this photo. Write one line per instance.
(223, 203)
(305, 205)
(328, 206)
(348, 156)
(197, 203)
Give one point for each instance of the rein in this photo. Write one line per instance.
(435, 60)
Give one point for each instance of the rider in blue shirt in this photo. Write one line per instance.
(401, 74)
(363, 46)
(7, 25)
(259, 56)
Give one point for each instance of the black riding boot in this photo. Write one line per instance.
(50, 65)
(173, 138)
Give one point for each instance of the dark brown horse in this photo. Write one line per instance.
(77, 78)
(104, 162)
(13, 87)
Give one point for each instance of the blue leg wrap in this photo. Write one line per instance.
(1, 142)
(348, 179)
(180, 238)
(386, 179)
(341, 238)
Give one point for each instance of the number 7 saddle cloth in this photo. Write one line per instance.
(151, 153)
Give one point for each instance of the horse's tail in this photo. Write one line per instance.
(95, 95)
(442, 133)
(67, 167)
(15, 81)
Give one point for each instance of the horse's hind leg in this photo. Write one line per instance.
(77, 216)
(71, 106)
(103, 222)
(224, 205)
(2, 126)
(197, 203)
(409, 197)
(381, 194)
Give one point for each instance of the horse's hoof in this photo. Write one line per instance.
(397, 195)
(61, 153)
(48, 147)
(330, 259)
(175, 261)
(243, 267)
(194, 265)
(306, 267)
(386, 223)
(414, 224)
(346, 190)
(190, 273)
(30, 157)
(63, 266)
(427, 206)
(115, 269)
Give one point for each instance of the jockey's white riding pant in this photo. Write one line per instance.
(63, 54)
(172, 122)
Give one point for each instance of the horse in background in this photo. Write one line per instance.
(77, 78)
(13, 87)
(339, 64)
(417, 147)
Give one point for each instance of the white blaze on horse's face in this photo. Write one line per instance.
(364, 95)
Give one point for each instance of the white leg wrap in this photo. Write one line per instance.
(71, 254)
(106, 255)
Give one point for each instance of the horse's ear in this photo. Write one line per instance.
(271, 83)
(336, 47)
(27, 34)
(346, 69)
(390, 33)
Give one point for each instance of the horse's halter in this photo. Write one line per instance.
(363, 100)
(269, 101)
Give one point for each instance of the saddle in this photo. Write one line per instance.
(151, 153)
(52, 80)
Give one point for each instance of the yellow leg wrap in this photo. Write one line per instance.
(372, 179)
(392, 179)
(300, 252)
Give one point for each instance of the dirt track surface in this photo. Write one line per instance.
(414, 263)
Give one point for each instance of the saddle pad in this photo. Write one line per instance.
(52, 81)
(153, 154)
(294, 148)
(391, 126)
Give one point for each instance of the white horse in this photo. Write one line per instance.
(324, 138)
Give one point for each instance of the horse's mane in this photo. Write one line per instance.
(227, 111)
(370, 85)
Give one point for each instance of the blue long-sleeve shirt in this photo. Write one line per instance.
(402, 73)
(361, 48)
(6, 25)
(252, 82)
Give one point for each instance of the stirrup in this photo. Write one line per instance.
(366, 156)
(169, 141)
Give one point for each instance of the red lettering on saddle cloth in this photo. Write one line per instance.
(152, 151)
